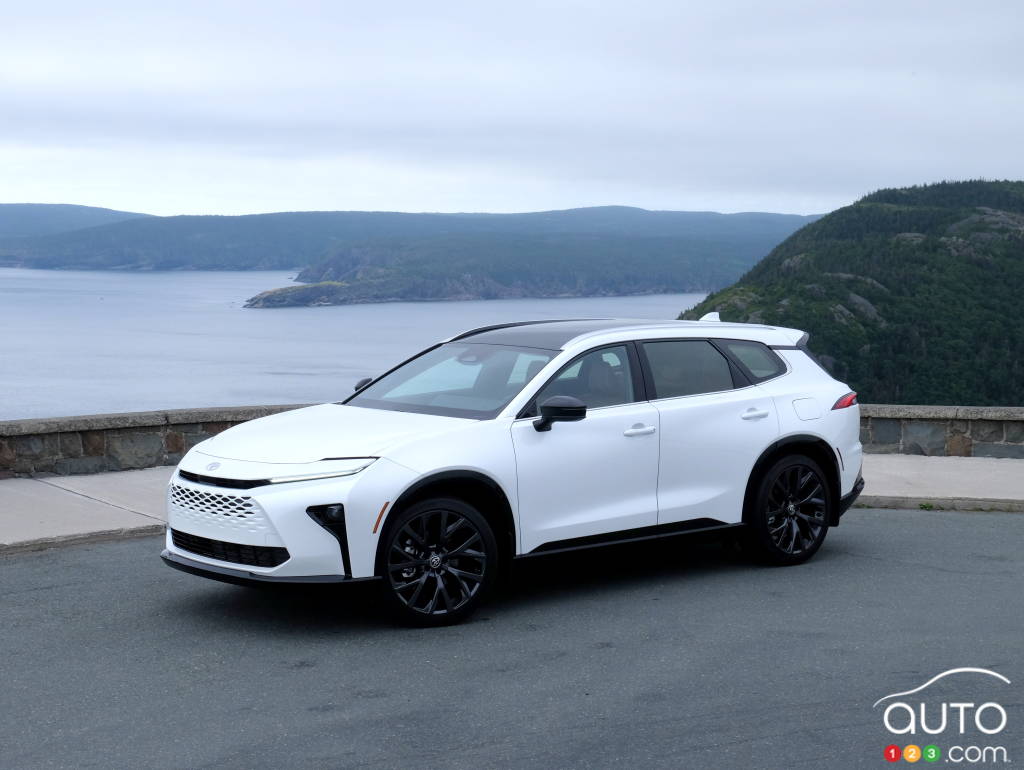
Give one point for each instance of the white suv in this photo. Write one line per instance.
(523, 439)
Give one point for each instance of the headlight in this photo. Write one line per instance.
(352, 466)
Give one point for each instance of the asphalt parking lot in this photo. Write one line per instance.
(678, 654)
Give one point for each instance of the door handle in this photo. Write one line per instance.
(639, 430)
(754, 414)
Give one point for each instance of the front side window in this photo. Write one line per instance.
(457, 379)
(600, 378)
(686, 368)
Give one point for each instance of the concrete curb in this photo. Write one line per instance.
(963, 504)
(83, 538)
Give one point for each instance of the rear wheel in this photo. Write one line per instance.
(789, 513)
(439, 562)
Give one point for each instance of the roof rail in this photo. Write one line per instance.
(492, 327)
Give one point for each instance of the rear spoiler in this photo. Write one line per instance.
(797, 339)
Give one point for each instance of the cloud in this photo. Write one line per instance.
(235, 107)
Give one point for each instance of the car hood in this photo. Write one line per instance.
(325, 432)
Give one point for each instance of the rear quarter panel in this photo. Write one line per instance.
(804, 398)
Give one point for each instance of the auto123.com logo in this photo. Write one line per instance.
(936, 727)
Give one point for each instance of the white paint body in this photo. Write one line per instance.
(620, 468)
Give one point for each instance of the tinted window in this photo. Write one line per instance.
(457, 379)
(687, 367)
(762, 362)
(599, 378)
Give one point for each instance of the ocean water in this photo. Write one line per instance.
(83, 342)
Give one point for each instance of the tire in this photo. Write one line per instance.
(438, 561)
(788, 513)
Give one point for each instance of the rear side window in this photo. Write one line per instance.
(686, 368)
(759, 360)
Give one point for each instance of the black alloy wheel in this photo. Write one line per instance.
(439, 562)
(791, 513)
(796, 509)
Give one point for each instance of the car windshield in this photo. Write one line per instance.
(458, 379)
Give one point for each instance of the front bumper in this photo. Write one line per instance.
(270, 533)
(243, 577)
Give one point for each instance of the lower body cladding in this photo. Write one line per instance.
(310, 531)
(846, 501)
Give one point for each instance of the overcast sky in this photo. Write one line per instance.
(239, 107)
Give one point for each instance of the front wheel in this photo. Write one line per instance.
(788, 518)
(438, 562)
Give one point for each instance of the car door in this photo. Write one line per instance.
(714, 426)
(595, 476)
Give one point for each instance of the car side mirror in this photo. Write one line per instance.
(363, 383)
(559, 409)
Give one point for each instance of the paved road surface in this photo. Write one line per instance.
(672, 655)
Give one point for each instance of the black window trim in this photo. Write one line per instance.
(753, 378)
(640, 392)
(801, 345)
(643, 378)
(740, 379)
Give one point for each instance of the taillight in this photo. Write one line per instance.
(848, 400)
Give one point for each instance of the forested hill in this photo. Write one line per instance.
(910, 295)
(500, 266)
(25, 220)
(300, 239)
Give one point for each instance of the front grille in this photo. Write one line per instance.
(216, 481)
(234, 513)
(252, 555)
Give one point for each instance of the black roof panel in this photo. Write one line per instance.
(549, 335)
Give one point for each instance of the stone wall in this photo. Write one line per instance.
(113, 442)
(956, 431)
